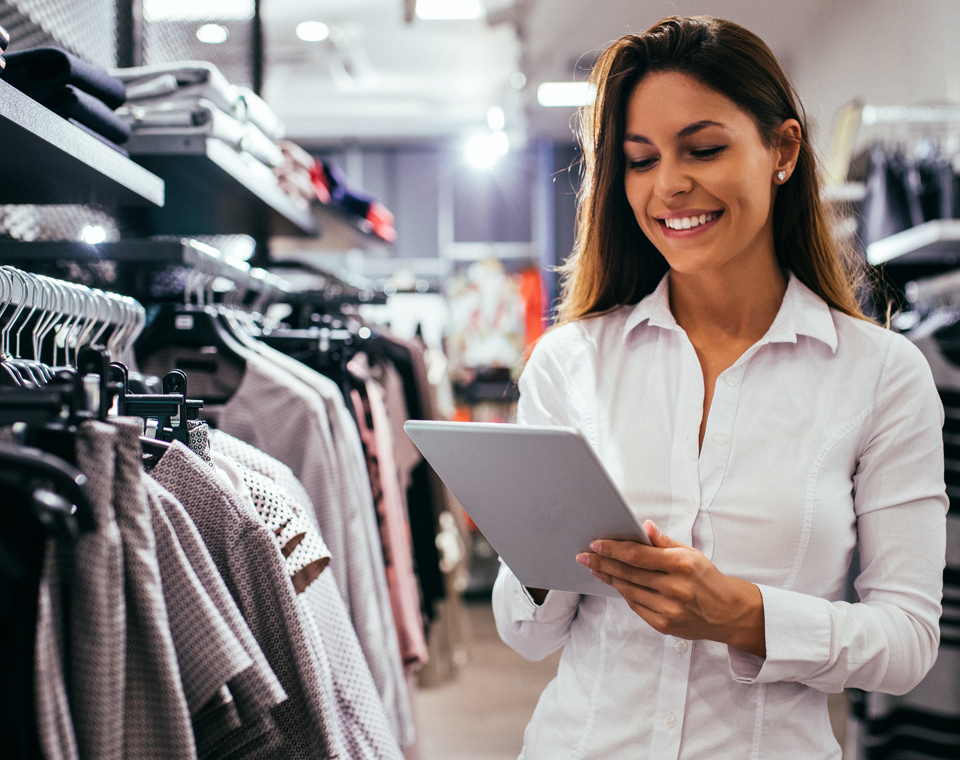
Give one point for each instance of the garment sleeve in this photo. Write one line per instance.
(888, 641)
(535, 631)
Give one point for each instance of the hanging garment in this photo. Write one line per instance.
(425, 490)
(302, 421)
(23, 545)
(394, 526)
(156, 719)
(248, 558)
(244, 709)
(885, 207)
(94, 575)
(209, 654)
(361, 720)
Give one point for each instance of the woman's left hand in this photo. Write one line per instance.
(679, 592)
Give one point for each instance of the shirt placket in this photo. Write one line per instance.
(675, 654)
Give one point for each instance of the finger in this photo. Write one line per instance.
(630, 553)
(659, 539)
(651, 579)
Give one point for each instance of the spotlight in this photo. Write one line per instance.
(313, 31)
(93, 234)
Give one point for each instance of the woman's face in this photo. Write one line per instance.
(700, 180)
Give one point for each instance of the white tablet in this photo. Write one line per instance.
(538, 494)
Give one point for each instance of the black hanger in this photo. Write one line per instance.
(65, 508)
(192, 327)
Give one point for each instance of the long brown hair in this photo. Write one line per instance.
(614, 263)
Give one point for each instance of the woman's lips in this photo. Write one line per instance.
(692, 231)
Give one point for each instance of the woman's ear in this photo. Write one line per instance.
(787, 150)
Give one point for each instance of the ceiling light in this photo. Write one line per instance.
(483, 151)
(556, 94)
(495, 118)
(313, 31)
(198, 10)
(449, 10)
(93, 234)
(212, 34)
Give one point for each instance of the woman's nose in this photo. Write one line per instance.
(672, 179)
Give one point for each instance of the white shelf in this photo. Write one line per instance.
(928, 243)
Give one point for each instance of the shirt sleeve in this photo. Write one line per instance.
(888, 641)
(535, 631)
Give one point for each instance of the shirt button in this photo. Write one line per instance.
(682, 647)
(670, 721)
(731, 381)
(719, 439)
(691, 506)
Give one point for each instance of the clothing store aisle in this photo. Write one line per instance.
(482, 714)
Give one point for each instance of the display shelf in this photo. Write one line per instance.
(937, 241)
(846, 192)
(156, 253)
(343, 231)
(214, 190)
(48, 160)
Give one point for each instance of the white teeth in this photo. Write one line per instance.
(687, 222)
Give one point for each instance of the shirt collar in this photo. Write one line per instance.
(802, 312)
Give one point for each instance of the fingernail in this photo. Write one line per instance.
(597, 574)
(583, 559)
(595, 546)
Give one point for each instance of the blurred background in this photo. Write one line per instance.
(420, 178)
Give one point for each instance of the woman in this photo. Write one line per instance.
(712, 352)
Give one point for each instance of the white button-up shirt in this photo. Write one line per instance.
(824, 436)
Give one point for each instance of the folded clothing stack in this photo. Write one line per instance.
(69, 86)
(193, 97)
(4, 41)
(294, 176)
(331, 187)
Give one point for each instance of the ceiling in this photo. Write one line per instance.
(381, 79)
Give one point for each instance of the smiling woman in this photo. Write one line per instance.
(616, 260)
(712, 352)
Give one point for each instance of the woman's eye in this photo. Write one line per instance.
(641, 163)
(708, 152)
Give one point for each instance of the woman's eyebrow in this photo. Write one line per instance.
(690, 129)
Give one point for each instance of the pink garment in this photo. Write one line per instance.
(394, 528)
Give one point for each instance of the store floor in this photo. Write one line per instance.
(481, 715)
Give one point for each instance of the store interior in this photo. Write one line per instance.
(383, 190)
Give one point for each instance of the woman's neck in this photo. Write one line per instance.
(736, 302)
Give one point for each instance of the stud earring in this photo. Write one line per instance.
(781, 176)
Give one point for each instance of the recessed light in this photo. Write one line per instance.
(195, 10)
(559, 94)
(212, 34)
(313, 31)
(449, 10)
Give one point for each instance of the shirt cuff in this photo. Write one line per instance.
(797, 630)
(556, 604)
